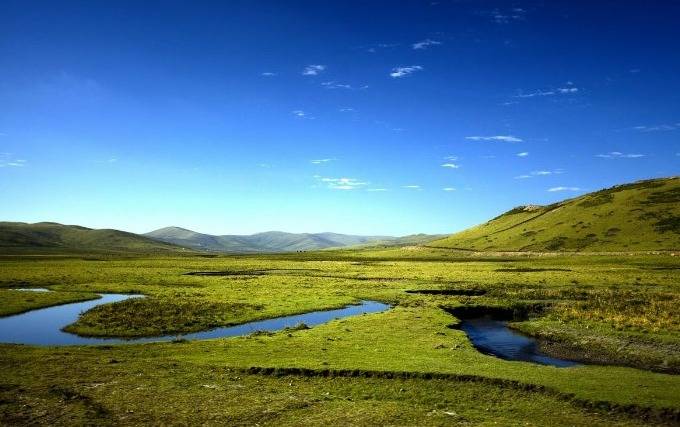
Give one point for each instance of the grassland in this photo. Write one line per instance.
(404, 366)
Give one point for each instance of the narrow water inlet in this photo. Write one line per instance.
(488, 331)
(44, 326)
(494, 337)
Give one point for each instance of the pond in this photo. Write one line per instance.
(44, 326)
(494, 337)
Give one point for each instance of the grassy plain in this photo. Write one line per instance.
(404, 366)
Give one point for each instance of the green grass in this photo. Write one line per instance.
(641, 216)
(583, 300)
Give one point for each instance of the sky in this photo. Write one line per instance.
(381, 117)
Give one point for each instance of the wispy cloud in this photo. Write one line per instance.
(9, 161)
(313, 70)
(301, 114)
(658, 128)
(268, 74)
(342, 183)
(556, 189)
(320, 161)
(502, 138)
(505, 16)
(449, 189)
(567, 89)
(424, 44)
(523, 154)
(346, 110)
(373, 48)
(619, 155)
(540, 173)
(376, 190)
(404, 71)
(411, 187)
(336, 85)
(451, 158)
(450, 165)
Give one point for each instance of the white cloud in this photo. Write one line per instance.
(336, 85)
(523, 154)
(7, 160)
(346, 110)
(540, 173)
(313, 70)
(503, 138)
(320, 161)
(373, 48)
(450, 165)
(449, 189)
(342, 183)
(411, 187)
(569, 88)
(555, 189)
(268, 74)
(505, 16)
(425, 44)
(451, 158)
(404, 71)
(301, 114)
(376, 189)
(658, 128)
(619, 155)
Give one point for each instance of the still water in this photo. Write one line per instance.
(43, 326)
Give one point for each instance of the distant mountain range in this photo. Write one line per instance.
(51, 238)
(275, 241)
(639, 216)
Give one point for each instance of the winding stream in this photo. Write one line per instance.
(43, 326)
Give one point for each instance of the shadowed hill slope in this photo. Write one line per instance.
(50, 237)
(644, 215)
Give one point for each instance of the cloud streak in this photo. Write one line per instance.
(320, 161)
(502, 138)
(658, 128)
(421, 45)
(313, 70)
(619, 155)
(8, 161)
(557, 189)
(540, 173)
(342, 183)
(398, 72)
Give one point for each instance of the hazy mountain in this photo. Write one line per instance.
(270, 241)
(644, 215)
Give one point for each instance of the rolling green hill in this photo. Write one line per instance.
(644, 215)
(50, 237)
(271, 241)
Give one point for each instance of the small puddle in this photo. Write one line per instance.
(493, 337)
(44, 326)
(30, 289)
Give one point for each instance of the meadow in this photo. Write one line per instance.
(409, 365)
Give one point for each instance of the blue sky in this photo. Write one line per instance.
(308, 116)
